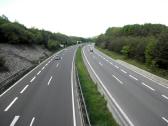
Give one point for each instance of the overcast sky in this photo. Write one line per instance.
(84, 18)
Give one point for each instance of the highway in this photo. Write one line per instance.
(45, 96)
(139, 100)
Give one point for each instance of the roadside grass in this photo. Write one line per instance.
(159, 72)
(95, 102)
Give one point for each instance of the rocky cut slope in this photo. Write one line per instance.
(19, 57)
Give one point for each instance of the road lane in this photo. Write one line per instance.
(159, 87)
(141, 105)
(35, 102)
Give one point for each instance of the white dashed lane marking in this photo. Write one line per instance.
(116, 66)
(148, 86)
(14, 120)
(123, 71)
(118, 79)
(164, 96)
(8, 107)
(106, 60)
(33, 79)
(100, 64)
(24, 89)
(43, 68)
(32, 121)
(111, 63)
(38, 72)
(57, 65)
(133, 77)
(166, 120)
(49, 80)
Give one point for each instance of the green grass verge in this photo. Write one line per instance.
(95, 102)
(159, 72)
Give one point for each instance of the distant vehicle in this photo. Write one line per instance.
(57, 58)
(91, 50)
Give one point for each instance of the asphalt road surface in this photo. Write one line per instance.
(44, 97)
(141, 101)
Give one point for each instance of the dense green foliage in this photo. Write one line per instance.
(146, 43)
(95, 102)
(53, 45)
(16, 33)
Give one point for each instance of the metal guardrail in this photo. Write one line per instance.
(85, 116)
(13, 78)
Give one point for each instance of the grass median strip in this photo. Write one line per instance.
(95, 102)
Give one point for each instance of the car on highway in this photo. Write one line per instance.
(57, 58)
(91, 50)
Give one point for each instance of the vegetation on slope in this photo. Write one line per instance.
(16, 33)
(95, 102)
(147, 44)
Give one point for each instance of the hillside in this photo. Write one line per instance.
(19, 57)
(146, 45)
(22, 47)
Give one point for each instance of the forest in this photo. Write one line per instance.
(16, 33)
(147, 43)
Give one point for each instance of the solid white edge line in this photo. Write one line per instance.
(15, 119)
(166, 120)
(33, 79)
(49, 80)
(27, 74)
(165, 97)
(118, 79)
(114, 101)
(123, 71)
(72, 89)
(133, 77)
(32, 121)
(8, 107)
(24, 89)
(148, 86)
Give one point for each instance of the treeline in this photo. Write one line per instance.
(16, 33)
(146, 43)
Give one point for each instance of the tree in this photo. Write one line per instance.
(53, 45)
(125, 50)
(149, 51)
(161, 51)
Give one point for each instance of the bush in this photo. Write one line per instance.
(125, 50)
(146, 43)
(149, 51)
(53, 45)
(161, 51)
(16, 33)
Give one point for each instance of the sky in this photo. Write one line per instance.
(85, 18)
